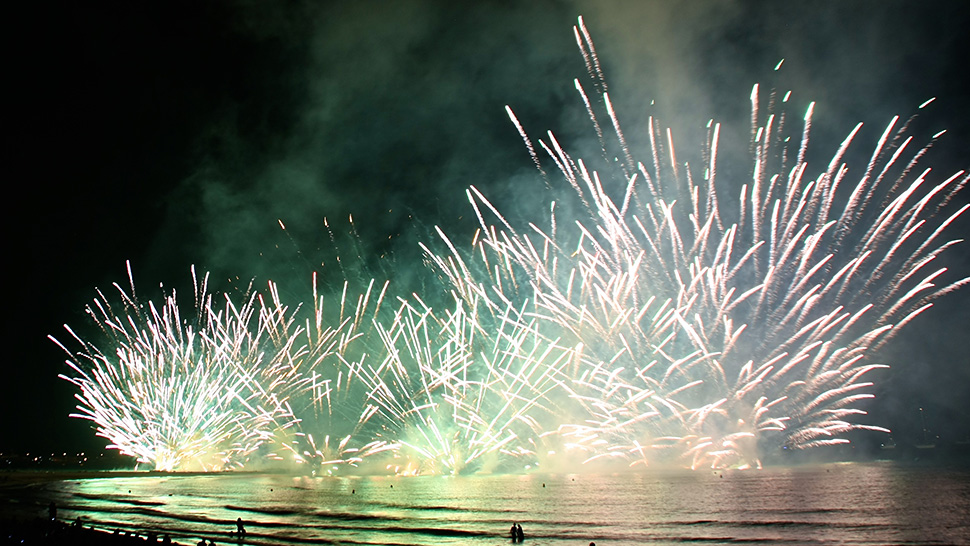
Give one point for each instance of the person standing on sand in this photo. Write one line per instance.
(513, 532)
(519, 533)
(240, 530)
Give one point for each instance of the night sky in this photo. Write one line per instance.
(179, 133)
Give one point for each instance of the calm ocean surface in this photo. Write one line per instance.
(861, 504)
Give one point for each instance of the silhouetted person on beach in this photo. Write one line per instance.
(52, 510)
(240, 530)
(519, 533)
(514, 533)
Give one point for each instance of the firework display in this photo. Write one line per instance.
(657, 320)
(173, 394)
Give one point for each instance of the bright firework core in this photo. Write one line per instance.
(663, 324)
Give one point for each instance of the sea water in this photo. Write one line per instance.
(862, 504)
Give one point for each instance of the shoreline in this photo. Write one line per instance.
(59, 533)
(686, 507)
(19, 478)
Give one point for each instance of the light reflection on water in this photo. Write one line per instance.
(876, 503)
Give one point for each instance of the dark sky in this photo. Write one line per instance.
(177, 133)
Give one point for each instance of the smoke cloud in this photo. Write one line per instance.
(193, 132)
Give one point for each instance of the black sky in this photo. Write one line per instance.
(177, 133)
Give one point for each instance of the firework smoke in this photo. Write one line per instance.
(666, 322)
(715, 332)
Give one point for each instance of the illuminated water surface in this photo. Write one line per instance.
(878, 503)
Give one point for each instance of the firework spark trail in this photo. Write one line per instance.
(763, 325)
(208, 393)
(313, 369)
(656, 326)
(171, 394)
(467, 390)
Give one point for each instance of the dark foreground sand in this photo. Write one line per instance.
(59, 533)
(27, 526)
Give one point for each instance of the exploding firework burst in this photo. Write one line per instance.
(235, 385)
(663, 323)
(312, 370)
(469, 390)
(172, 394)
(710, 333)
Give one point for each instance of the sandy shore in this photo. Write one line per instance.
(26, 522)
(58, 533)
